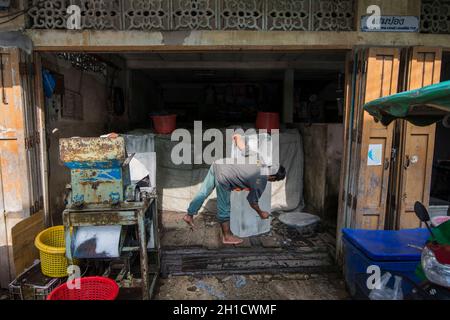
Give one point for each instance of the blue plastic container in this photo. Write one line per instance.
(390, 250)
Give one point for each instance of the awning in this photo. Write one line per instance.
(421, 107)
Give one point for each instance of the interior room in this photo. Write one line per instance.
(100, 93)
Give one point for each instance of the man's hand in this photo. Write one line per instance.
(262, 214)
(239, 141)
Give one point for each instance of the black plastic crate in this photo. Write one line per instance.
(33, 285)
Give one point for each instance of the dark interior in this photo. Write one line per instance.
(440, 185)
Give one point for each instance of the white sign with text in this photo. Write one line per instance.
(390, 24)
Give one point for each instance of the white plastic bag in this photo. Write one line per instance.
(398, 293)
(386, 293)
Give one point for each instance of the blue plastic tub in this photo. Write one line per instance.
(389, 250)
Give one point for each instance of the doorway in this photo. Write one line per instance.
(440, 182)
(222, 89)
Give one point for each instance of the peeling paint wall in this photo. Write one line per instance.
(334, 154)
(323, 155)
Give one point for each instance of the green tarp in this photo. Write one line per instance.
(421, 107)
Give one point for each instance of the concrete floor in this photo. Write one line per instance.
(207, 234)
(253, 287)
(281, 286)
(258, 286)
(245, 287)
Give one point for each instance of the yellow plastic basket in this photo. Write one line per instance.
(52, 249)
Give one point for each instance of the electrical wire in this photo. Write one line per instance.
(14, 15)
(11, 19)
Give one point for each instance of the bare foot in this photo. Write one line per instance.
(231, 240)
(189, 220)
(264, 215)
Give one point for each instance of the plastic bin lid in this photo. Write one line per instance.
(388, 245)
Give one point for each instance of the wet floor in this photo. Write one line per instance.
(207, 235)
(304, 268)
(253, 287)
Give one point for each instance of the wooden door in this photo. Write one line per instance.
(417, 147)
(20, 183)
(372, 73)
(382, 75)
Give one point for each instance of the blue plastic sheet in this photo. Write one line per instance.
(49, 83)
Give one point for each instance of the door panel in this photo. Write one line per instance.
(20, 182)
(12, 157)
(343, 220)
(373, 179)
(31, 131)
(418, 142)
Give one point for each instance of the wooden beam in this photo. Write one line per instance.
(132, 41)
(257, 65)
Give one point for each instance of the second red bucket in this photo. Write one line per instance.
(268, 120)
(165, 124)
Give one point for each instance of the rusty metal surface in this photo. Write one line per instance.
(92, 149)
(143, 254)
(98, 172)
(98, 185)
(123, 206)
(99, 218)
(97, 215)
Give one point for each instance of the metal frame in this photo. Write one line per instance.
(126, 214)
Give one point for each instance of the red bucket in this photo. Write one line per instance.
(268, 120)
(91, 288)
(165, 124)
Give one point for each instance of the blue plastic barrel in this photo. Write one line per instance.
(391, 251)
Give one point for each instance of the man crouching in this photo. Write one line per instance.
(225, 176)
